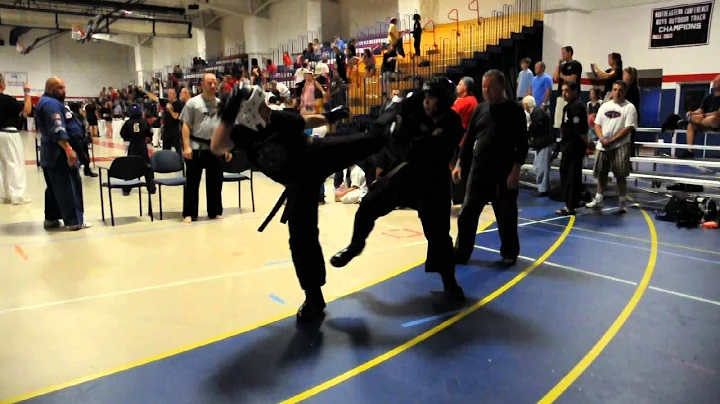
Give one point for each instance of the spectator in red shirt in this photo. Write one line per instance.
(465, 104)
(270, 67)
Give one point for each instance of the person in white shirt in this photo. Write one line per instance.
(614, 122)
(354, 193)
(321, 68)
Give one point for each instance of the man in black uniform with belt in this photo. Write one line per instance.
(574, 142)
(275, 142)
(496, 146)
(425, 135)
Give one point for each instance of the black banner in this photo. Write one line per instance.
(682, 25)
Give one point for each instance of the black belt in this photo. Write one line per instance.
(200, 140)
(274, 211)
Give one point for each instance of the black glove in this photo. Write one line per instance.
(337, 114)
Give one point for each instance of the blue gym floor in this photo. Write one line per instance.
(383, 344)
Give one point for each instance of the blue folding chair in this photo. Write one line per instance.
(233, 172)
(166, 162)
(124, 173)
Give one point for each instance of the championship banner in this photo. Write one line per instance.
(682, 25)
(15, 79)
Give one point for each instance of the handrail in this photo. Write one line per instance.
(476, 9)
(456, 19)
(433, 32)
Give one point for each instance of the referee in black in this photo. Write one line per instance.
(496, 145)
(574, 142)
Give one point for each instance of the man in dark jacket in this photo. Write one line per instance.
(496, 146)
(541, 139)
(573, 144)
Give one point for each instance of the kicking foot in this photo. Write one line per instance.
(187, 220)
(21, 200)
(218, 217)
(565, 212)
(344, 256)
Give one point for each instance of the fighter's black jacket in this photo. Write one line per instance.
(418, 140)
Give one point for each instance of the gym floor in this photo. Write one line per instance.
(601, 308)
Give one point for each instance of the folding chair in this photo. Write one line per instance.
(165, 162)
(127, 172)
(233, 172)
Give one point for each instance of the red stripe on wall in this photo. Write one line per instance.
(671, 78)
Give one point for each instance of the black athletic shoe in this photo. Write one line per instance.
(311, 310)
(453, 291)
(344, 256)
(506, 262)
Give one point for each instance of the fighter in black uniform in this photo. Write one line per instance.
(275, 142)
(138, 132)
(424, 138)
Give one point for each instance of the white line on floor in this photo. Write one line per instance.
(275, 266)
(611, 278)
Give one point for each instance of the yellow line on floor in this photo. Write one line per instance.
(427, 334)
(611, 332)
(165, 355)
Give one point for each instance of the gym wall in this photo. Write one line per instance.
(86, 68)
(626, 30)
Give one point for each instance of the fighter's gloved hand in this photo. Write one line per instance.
(337, 114)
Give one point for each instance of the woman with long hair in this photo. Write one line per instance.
(633, 96)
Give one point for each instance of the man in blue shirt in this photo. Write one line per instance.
(63, 195)
(541, 86)
(524, 80)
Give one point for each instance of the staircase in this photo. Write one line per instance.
(455, 50)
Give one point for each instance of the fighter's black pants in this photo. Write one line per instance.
(479, 192)
(63, 193)
(212, 164)
(171, 139)
(429, 195)
(325, 156)
(571, 166)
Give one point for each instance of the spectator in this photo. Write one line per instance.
(615, 121)
(633, 96)
(542, 139)
(270, 68)
(417, 33)
(369, 60)
(593, 106)
(541, 86)
(395, 38)
(611, 75)
(704, 118)
(524, 80)
(566, 70)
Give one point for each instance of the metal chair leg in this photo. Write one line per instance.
(140, 199)
(240, 195)
(252, 193)
(112, 213)
(160, 197)
(102, 202)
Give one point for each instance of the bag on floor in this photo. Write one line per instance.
(685, 212)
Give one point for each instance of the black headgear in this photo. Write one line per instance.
(443, 89)
(135, 111)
